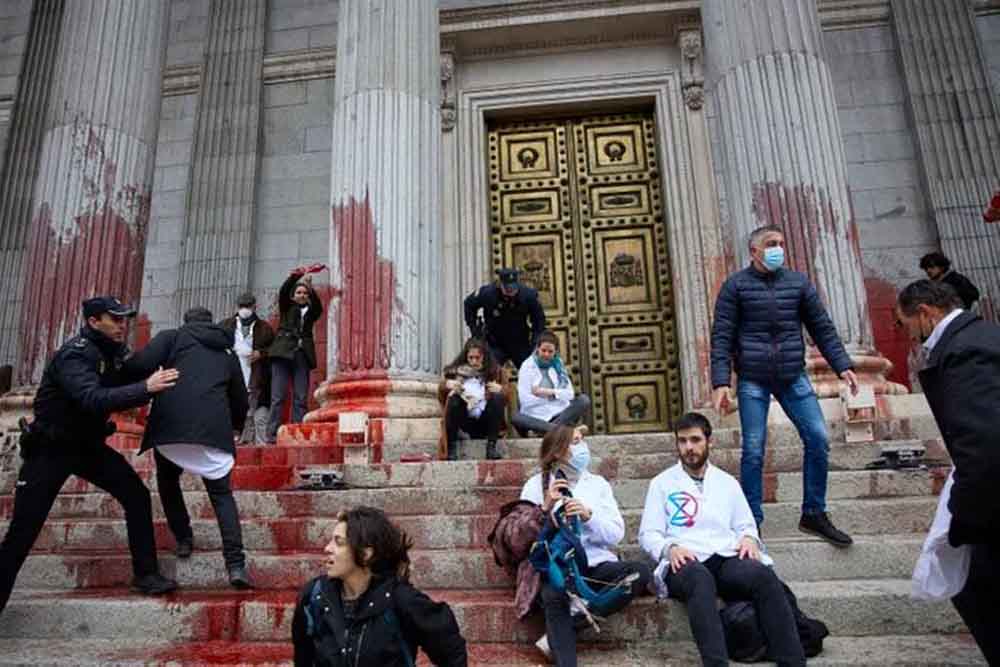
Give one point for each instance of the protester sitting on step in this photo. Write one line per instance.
(252, 337)
(364, 612)
(698, 526)
(545, 391)
(564, 459)
(192, 429)
(293, 353)
(473, 395)
(82, 385)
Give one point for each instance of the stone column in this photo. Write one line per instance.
(958, 133)
(783, 159)
(384, 326)
(90, 205)
(219, 229)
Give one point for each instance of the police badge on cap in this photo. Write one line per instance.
(106, 304)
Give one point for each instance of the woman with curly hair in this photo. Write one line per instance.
(364, 612)
(473, 396)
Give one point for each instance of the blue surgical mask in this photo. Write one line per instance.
(579, 456)
(774, 258)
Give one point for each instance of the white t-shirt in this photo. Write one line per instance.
(243, 347)
(475, 388)
(207, 462)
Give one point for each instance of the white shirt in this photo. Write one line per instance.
(708, 522)
(606, 527)
(201, 460)
(475, 388)
(243, 347)
(544, 408)
(938, 331)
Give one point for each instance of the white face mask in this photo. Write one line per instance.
(244, 313)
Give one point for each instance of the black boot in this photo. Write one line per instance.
(452, 451)
(491, 450)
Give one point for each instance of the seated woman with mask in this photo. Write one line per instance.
(564, 459)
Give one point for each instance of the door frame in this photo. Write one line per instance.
(687, 184)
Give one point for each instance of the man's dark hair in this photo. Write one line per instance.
(368, 527)
(693, 420)
(935, 259)
(197, 314)
(759, 233)
(929, 293)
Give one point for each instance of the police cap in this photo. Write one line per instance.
(508, 277)
(106, 304)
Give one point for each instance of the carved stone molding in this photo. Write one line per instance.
(692, 66)
(6, 106)
(181, 79)
(449, 115)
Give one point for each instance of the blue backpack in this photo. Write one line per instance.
(558, 555)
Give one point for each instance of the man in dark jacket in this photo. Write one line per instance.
(252, 337)
(81, 386)
(191, 428)
(961, 380)
(508, 307)
(938, 267)
(759, 316)
(293, 352)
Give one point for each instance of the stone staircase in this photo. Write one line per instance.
(72, 606)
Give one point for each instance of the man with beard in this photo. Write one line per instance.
(698, 525)
(512, 318)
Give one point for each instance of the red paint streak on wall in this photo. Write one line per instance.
(104, 256)
(893, 343)
(367, 293)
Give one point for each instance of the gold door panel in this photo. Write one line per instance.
(576, 207)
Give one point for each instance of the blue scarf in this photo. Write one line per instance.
(557, 364)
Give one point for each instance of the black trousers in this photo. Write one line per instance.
(559, 624)
(220, 493)
(516, 352)
(284, 372)
(976, 604)
(732, 579)
(486, 425)
(41, 476)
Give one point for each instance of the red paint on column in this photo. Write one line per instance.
(892, 342)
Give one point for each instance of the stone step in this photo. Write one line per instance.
(799, 559)
(461, 518)
(943, 650)
(872, 607)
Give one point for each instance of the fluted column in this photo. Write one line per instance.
(385, 257)
(783, 158)
(219, 229)
(90, 206)
(958, 133)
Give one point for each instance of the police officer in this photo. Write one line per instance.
(81, 386)
(507, 308)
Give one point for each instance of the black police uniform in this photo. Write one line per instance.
(81, 386)
(505, 321)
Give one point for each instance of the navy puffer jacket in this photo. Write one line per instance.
(758, 326)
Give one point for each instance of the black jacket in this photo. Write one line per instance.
(260, 371)
(758, 326)
(209, 400)
(505, 321)
(967, 292)
(962, 384)
(294, 330)
(370, 641)
(82, 385)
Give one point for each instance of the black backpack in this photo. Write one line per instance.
(745, 640)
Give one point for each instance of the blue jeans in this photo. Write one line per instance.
(798, 400)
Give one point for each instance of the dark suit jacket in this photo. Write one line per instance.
(260, 372)
(962, 384)
(294, 330)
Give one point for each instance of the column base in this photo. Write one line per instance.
(871, 368)
(397, 409)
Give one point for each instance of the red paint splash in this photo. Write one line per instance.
(367, 293)
(892, 342)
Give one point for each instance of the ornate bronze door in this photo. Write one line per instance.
(576, 206)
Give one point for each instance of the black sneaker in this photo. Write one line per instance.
(185, 547)
(491, 451)
(821, 526)
(153, 584)
(239, 577)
